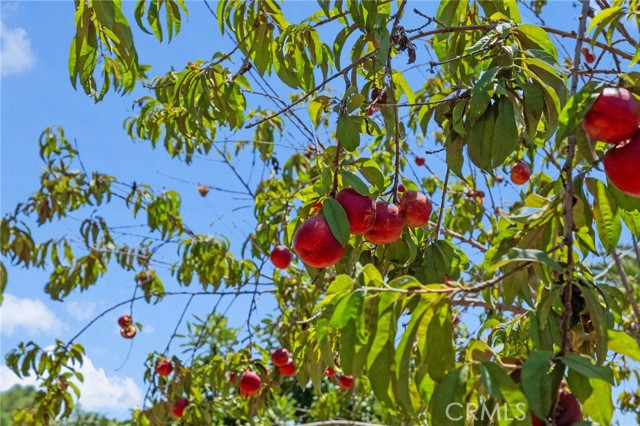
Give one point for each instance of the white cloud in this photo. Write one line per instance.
(81, 311)
(98, 392)
(8, 379)
(16, 55)
(30, 316)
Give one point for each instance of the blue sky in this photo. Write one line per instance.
(36, 93)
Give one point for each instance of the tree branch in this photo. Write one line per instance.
(625, 284)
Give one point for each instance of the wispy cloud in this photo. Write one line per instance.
(16, 55)
(81, 311)
(29, 316)
(98, 392)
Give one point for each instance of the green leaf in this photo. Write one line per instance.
(316, 107)
(105, 11)
(481, 139)
(575, 109)
(348, 310)
(598, 318)
(599, 405)
(341, 284)
(440, 352)
(441, 259)
(583, 365)
(533, 37)
(524, 255)
(355, 182)
(448, 404)
(348, 131)
(481, 95)
(624, 344)
(373, 174)
(505, 133)
(605, 211)
(501, 386)
(608, 17)
(337, 220)
(536, 382)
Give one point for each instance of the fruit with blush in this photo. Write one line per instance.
(614, 116)
(288, 370)
(345, 382)
(416, 208)
(315, 244)
(280, 357)
(567, 413)
(128, 332)
(178, 407)
(125, 320)
(420, 161)
(360, 209)
(520, 173)
(621, 165)
(164, 367)
(388, 226)
(249, 383)
(280, 257)
(401, 188)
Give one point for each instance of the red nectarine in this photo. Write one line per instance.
(361, 210)
(280, 257)
(614, 116)
(621, 164)
(388, 225)
(315, 244)
(416, 208)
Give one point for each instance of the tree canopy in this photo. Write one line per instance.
(495, 280)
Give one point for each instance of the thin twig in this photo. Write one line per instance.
(442, 202)
(625, 284)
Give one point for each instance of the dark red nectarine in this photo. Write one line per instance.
(249, 383)
(315, 244)
(280, 257)
(388, 225)
(178, 407)
(361, 210)
(621, 164)
(416, 208)
(614, 116)
(520, 173)
(280, 357)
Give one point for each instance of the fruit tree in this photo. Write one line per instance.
(411, 282)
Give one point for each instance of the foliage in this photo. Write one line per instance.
(499, 92)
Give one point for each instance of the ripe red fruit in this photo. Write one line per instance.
(203, 190)
(280, 357)
(329, 372)
(420, 160)
(588, 56)
(416, 208)
(164, 367)
(179, 406)
(520, 173)
(315, 244)
(568, 413)
(128, 332)
(125, 320)
(288, 369)
(315, 209)
(401, 188)
(361, 210)
(232, 377)
(621, 166)
(499, 179)
(614, 116)
(345, 382)
(388, 225)
(280, 257)
(249, 383)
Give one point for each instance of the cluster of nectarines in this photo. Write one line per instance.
(127, 329)
(614, 118)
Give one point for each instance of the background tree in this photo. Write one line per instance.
(552, 336)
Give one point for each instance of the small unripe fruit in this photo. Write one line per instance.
(621, 165)
(203, 190)
(361, 210)
(232, 377)
(288, 369)
(280, 357)
(345, 382)
(125, 320)
(588, 56)
(420, 160)
(128, 332)
(249, 383)
(401, 188)
(614, 116)
(280, 257)
(388, 225)
(164, 367)
(520, 173)
(315, 244)
(179, 406)
(416, 208)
